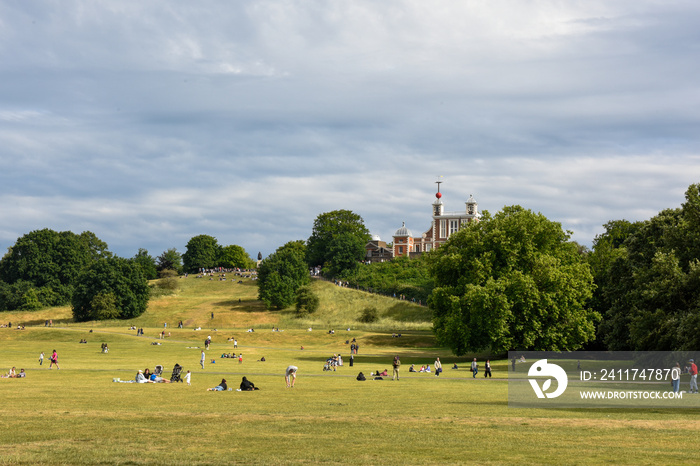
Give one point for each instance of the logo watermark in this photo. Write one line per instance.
(542, 368)
(597, 379)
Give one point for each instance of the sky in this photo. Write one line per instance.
(149, 123)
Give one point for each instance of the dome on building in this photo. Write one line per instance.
(403, 231)
(376, 238)
(471, 200)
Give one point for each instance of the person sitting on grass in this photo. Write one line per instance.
(412, 368)
(222, 387)
(247, 385)
(422, 369)
(10, 375)
(385, 373)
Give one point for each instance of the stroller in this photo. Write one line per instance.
(327, 365)
(175, 377)
(158, 371)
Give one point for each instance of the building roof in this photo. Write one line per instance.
(403, 231)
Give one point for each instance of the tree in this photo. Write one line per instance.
(169, 260)
(50, 261)
(112, 287)
(202, 253)
(234, 256)
(281, 274)
(345, 251)
(147, 264)
(513, 281)
(327, 228)
(306, 301)
(648, 280)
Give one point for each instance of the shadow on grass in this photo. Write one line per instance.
(404, 341)
(242, 305)
(407, 312)
(42, 322)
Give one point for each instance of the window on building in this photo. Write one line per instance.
(454, 226)
(443, 228)
(400, 249)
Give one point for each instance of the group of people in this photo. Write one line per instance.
(246, 386)
(692, 370)
(146, 376)
(333, 362)
(438, 368)
(13, 374)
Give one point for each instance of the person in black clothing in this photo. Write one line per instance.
(247, 385)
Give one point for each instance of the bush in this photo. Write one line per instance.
(168, 280)
(307, 301)
(369, 315)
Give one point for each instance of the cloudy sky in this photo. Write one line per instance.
(152, 122)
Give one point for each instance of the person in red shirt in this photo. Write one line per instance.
(693, 377)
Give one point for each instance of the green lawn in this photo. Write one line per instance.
(77, 415)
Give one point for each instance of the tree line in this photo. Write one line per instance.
(516, 280)
(48, 268)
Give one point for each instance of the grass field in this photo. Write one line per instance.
(77, 415)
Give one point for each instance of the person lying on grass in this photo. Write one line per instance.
(140, 378)
(157, 379)
(219, 388)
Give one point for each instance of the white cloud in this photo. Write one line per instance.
(149, 123)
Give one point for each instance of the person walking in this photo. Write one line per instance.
(693, 377)
(201, 361)
(290, 376)
(54, 360)
(41, 356)
(475, 368)
(235, 343)
(438, 367)
(396, 364)
(487, 368)
(188, 377)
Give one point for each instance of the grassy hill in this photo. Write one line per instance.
(235, 305)
(77, 415)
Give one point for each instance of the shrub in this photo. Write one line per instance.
(369, 315)
(306, 301)
(168, 280)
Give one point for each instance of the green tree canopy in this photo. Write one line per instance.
(202, 253)
(345, 251)
(108, 288)
(337, 232)
(169, 260)
(147, 264)
(648, 280)
(234, 256)
(281, 274)
(50, 262)
(513, 281)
